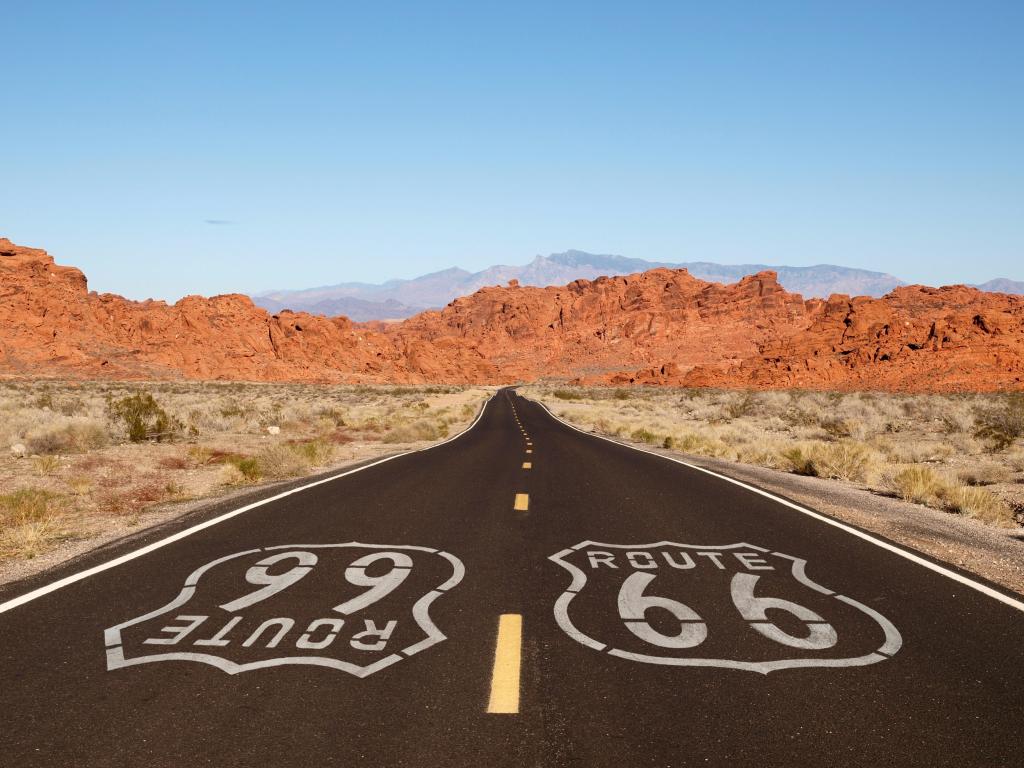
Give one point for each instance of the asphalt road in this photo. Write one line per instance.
(631, 611)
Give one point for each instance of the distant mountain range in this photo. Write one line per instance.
(399, 299)
(1002, 285)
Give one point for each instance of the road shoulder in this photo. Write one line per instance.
(20, 577)
(994, 554)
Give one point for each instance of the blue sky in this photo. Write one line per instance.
(334, 141)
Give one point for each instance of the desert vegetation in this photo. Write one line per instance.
(82, 460)
(959, 453)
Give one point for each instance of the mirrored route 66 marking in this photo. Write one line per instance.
(354, 607)
(736, 605)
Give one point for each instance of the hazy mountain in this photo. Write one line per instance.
(403, 298)
(1002, 285)
(351, 307)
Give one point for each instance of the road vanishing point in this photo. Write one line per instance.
(523, 594)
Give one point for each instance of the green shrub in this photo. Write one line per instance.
(281, 461)
(334, 415)
(45, 400)
(248, 466)
(144, 419)
(76, 437)
(741, 406)
(799, 461)
(567, 394)
(836, 428)
(703, 445)
(410, 433)
(316, 452)
(999, 427)
(234, 408)
(645, 436)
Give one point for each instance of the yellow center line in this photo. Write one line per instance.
(507, 661)
(522, 503)
(529, 450)
(527, 465)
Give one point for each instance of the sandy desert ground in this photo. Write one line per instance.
(86, 462)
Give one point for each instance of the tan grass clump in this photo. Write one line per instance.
(414, 432)
(81, 485)
(282, 461)
(232, 475)
(30, 521)
(845, 460)
(979, 504)
(76, 436)
(316, 452)
(46, 465)
(921, 485)
(986, 474)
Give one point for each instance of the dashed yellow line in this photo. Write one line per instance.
(527, 465)
(522, 503)
(529, 450)
(507, 662)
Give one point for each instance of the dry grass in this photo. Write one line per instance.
(845, 460)
(960, 453)
(30, 520)
(921, 485)
(94, 479)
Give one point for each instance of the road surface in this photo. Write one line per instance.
(523, 595)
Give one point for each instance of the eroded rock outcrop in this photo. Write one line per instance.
(52, 325)
(914, 339)
(588, 328)
(657, 327)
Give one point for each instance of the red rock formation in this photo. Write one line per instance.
(588, 328)
(657, 327)
(53, 326)
(914, 339)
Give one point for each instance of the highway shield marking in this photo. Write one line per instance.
(354, 607)
(737, 606)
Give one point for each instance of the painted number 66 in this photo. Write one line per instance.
(693, 630)
(355, 573)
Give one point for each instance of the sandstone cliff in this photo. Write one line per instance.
(914, 339)
(52, 325)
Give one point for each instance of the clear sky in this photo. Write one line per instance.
(173, 148)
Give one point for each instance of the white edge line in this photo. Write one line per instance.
(978, 586)
(76, 577)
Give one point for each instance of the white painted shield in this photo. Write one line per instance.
(354, 607)
(737, 606)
